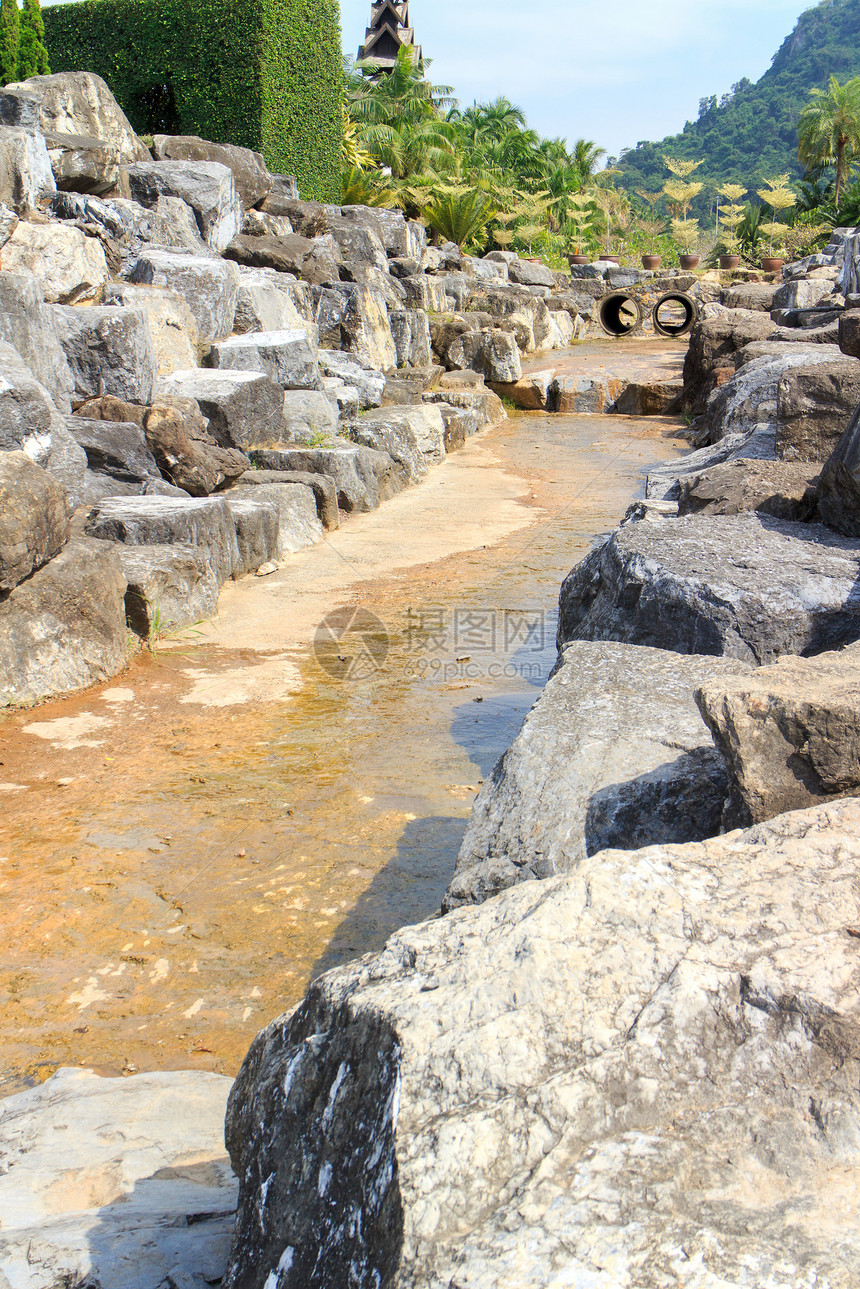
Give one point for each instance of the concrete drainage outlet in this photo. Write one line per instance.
(673, 315)
(620, 314)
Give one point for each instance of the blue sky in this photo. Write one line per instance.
(614, 72)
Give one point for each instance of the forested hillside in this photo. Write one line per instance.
(751, 132)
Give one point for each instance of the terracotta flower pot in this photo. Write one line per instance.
(651, 261)
(729, 261)
(690, 261)
(579, 259)
(611, 259)
(771, 263)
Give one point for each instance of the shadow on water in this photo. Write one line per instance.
(408, 889)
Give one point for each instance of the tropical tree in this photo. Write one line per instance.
(367, 188)
(460, 215)
(732, 214)
(829, 129)
(779, 197)
(32, 53)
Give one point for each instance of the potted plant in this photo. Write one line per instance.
(732, 215)
(652, 227)
(686, 235)
(579, 229)
(611, 204)
(779, 197)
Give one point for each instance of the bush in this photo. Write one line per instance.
(264, 74)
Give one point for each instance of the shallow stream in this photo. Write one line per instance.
(183, 849)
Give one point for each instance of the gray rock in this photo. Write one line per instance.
(270, 301)
(250, 176)
(613, 754)
(584, 394)
(814, 406)
(289, 358)
(88, 134)
(314, 260)
(68, 265)
(308, 414)
(790, 734)
(411, 333)
(169, 224)
(358, 242)
(169, 587)
(782, 489)
(65, 459)
(526, 274)
(412, 436)
(26, 177)
(27, 411)
(803, 293)
(483, 403)
(713, 344)
(399, 236)
(26, 323)
(63, 629)
(839, 484)
(34, 518)
(355, 318)
(423, 292)
(299, 524)
(369, 382)
(322, 488)
(109, 351)
(494, 354)
(171, 323)
(284, 188)
(256, 223)
(244, 409)
(208, 285)
(523, 1093)
(257, 522)
(665, 482)
(757, 297)
(116, 449)
(752, 395)
(205, 522)
(362, 476)
(206, 186)
(527, 315)
(116, 1181)
(186, 452)
(746, 586)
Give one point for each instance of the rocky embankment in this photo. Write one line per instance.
(627, 1056)
(202, 373)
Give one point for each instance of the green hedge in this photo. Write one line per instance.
(266, 74)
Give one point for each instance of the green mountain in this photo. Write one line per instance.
(751, 133)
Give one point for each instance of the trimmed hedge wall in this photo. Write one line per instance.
(265, 74)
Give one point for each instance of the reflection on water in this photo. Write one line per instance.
(172, 876)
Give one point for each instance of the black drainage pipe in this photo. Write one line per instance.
(620, 314)
(673, 315)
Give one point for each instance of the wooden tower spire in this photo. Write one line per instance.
(388, 33)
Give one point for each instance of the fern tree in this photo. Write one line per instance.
(32, 52)
(10, 35)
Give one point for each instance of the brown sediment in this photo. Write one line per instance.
(184, 848)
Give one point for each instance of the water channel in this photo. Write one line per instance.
(184, 848)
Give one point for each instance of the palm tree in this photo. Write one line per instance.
(829, 129)
(586, 157)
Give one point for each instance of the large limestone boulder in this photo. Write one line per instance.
(363, 477)
(357, 242)
(109, 350)
(493, 353)
(814, 405)
(365, 379)
(746, 586)
(355, 318)
(171, 323)
(244, 409)
(256, 521)
(614, 753)
(411, 332)
(790, 733)
(839, 484)
(68, 265)
(169, 587)
(27, 411)
(116, 1181)
(34, 518)
(313, 259)
(756, 297)
(205, 522)
(583, 394)
(63, 629)
(299, 524)
(321, 487)
(752, 395)
(26, 177)
(783, 489)
(117, 450)
(252, 179)
(308, 414)
(399, 236)
(632, 1075)
(713, 344)
(803, 293)
(88, 134)
(27, 324)
(288, 358)
(168, 224)
(270, 301)
(187, 453)
(206, 186)
(208, 285)
(525, 273)
(412, 436)
(515, 307)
